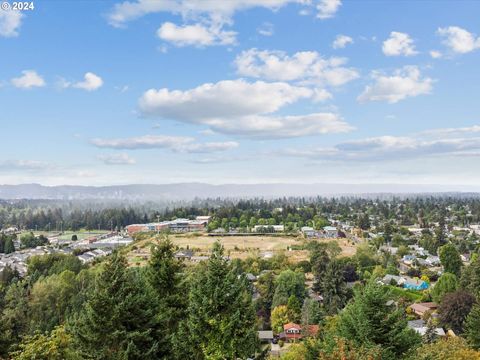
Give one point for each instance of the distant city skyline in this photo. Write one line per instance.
(260, 91)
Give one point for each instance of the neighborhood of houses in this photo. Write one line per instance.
(87, 249)
(413, 257)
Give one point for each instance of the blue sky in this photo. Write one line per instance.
(106, 92)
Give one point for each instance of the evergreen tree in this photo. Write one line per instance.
(163, 276)
(9, 247)
(118, 318)
(14, 317)
(369, 321)
(294, 307)
(472, 327)
(221, 317)
(312, 313)
(333, 288)
(319, 258)
(430, 334)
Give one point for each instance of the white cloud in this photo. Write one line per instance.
(459, 40)
(399, 44)
(190, 9)
(204, 20)
(207, 132)
(10, 22)
(435, 54)
(28, 80)
(269, 127)
(117, 159)
(28, 165)
(328, 8)
(388, 148)
(266, 29)
(196, 35)
(224, 99)
(405, 82)
(307, 66)
(321, 95)
(242, 108)
(175, 143)
(341, 41)
(91, 82)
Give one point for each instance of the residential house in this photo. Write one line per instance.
(308, 231)
(292, 332)
(184, 254)
(330, 231)
(421, 327)
(393, 279)
(265, 336)
(421, 308)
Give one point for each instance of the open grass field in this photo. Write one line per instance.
(67, 235)
(239, 247)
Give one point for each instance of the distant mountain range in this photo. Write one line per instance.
(188, 191)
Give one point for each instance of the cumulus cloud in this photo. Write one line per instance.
(224, 99)
(341, 41)
(405, 82)
(328, 8)
(116, 159)
(10, 22)
(387, 148)
(399, 44)
(28, 80)
(306, 66)
(241, 108)
(90, 82)
(175, 143)
(197, 35)
(459, 40)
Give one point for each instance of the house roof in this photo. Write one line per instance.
(423, 307)
(291, 326)
(265, 335)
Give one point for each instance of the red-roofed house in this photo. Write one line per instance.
(292, 331)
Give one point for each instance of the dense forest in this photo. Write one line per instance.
(293, 212)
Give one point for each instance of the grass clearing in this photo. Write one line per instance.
(411, 295)
(238, 247)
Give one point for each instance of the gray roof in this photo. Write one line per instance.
(265, 335)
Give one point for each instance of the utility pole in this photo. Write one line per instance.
(158, 221)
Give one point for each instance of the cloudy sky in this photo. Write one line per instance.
(240, 91)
